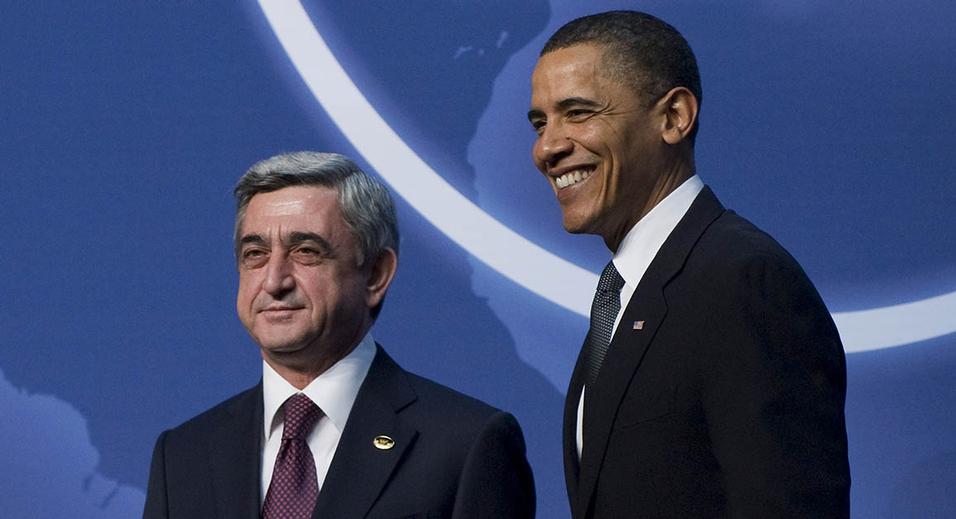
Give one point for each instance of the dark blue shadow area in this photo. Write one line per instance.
(902, 430)
(432, 85)
(428, 67)
(124, 130)
(436, 326)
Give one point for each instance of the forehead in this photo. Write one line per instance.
(301, 207)
(571, 69)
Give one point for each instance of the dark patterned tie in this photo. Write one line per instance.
(604, 309)
(294, 489)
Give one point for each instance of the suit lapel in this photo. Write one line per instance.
(359, 470)
(235, 457)
(572, 397)
(628, 346)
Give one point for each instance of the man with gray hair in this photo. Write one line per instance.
(335, 428)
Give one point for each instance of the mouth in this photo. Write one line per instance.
(279, 311)
(278, 308)
(573, 176)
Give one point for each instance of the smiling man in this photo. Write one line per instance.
(712, 380)
(335, 428)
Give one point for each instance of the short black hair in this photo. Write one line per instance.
(639, 49)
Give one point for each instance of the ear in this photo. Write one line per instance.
(380, 277)
(680, 110)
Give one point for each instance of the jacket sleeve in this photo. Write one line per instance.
(774, 394)
(496, 480)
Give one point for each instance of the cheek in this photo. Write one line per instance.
(597, 134)
(318, 289)
(246, 292)
(536, 155)
(338, 297)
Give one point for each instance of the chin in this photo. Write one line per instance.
(574, 229)
(577, 225)
(280, 346)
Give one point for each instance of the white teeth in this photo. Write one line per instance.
(572, 177)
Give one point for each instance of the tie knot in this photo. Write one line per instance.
(611, 280)
(301, 413)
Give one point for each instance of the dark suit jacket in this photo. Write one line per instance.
(453, 457)
(728, 402)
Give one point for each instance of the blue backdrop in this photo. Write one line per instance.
(125, 125)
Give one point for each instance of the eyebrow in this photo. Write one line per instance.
(577, 101)
(294, 238)
(251, 238)
(564, 104)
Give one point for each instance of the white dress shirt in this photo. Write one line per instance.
(334, 391)
(638, 248)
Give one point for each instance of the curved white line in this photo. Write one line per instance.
(493, 243)
(457, 217)
(897, 325)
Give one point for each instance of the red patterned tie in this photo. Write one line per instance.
(294, 489)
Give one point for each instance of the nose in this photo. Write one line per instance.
(279, 280)
(551, 146)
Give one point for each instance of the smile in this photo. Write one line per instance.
(572, 177)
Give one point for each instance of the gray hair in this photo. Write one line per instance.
(366, 205)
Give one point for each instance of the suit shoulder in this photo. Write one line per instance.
(442, 412)
(734, 258)
(746, 280)
(735, 238)
(732, 249)
(244, 402)
(427, 397)
(459, 426)
(436, 397)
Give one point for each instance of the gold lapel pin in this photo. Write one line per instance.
(638, 325)
(383, 442)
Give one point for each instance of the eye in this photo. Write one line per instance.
(307, 255)
(578, 114)
(254, 258)
(538, 125)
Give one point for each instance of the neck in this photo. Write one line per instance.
(299, 378)
(301, 367)
(665, 185)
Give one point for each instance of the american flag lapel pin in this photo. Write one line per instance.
(638, 325)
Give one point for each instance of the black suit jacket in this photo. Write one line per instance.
(722, 394)
(453, 457)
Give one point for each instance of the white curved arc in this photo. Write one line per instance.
(493, 243)
(442, 205)
(896, 325)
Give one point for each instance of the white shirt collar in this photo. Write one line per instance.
(334, 391)
(642, 242)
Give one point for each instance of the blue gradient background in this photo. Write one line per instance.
(124, 126)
